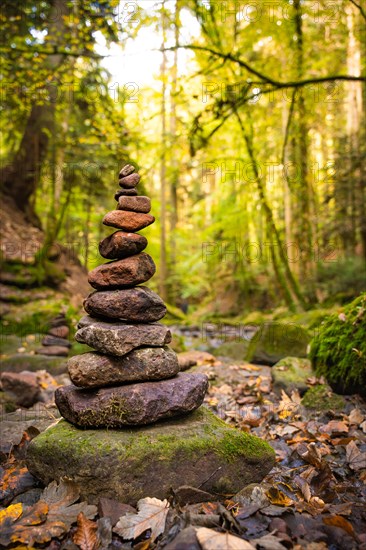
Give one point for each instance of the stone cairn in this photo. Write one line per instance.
(55, 343)
(133, 377)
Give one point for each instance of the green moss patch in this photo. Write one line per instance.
(322, 398)
(338, 351)
(291, 373)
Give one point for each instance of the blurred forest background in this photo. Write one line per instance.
(251, 144)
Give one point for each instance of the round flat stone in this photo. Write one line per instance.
(127, 221)
(120, 338)
(138, 304)
(199, 450)
(94, 370)
(132, 404)
(129, 182)
(121, 245)
(126, 170)
(124, 192)
(123, 273)
(135, 204)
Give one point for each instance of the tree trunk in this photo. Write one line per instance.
(21, 177)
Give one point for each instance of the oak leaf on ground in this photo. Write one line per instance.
(151, 515)
(212, 540)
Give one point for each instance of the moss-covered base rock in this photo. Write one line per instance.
(291, 373)
(199, 450)
(321, 398)
(338, 351)
(276, 340)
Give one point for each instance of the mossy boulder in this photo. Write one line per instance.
(338, 351)
(291, 373)
(322, 398)
(275, 340)
(199, 450)
(234, 350)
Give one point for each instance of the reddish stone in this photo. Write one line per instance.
(57, 351)
(136, 204)
(59, 332)
(121, 245)
(127, 221)
(124, 192)
(138, 305)
(132, 404)
(129, 182)
(96, 370)
(23, 387)
(124, 273)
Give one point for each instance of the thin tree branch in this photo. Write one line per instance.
(360, 8)
(53, 51)
(268, 80)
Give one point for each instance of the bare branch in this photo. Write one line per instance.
(268, 80)
(360, 8)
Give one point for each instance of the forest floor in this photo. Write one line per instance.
(314, 498)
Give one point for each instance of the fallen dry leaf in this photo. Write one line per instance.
(334, 426)
(355, 458)
(269, 542)
(356, 417)
(151, 515)
(86, 534)
(289, 406)
(212, 540)
(14, 481)
(278, 497)
(26, 526)
(339, 521)
(50, 517)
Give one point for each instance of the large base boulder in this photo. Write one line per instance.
(199, 450)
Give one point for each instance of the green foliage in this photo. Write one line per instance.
(338, 351)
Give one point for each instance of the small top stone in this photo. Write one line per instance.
(126, 170)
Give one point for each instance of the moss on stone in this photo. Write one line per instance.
(322, 398)
(276, 340)
(234, 350)
(338, 351)
(291, 373)
(185, 451)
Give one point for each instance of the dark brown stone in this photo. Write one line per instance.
(126, 170)
(57, 351)
(138, 305)
(60, 332)
(95, 370)
(23, 387)
(50, 340)
(129, 182)
(133, 404)
(124, 273)
(121, 245)
(127, 221)
(125, 192)
(120, 338)
(135, 204)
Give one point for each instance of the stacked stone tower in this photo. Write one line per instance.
(132, 378)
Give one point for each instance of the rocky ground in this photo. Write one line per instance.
(312, 499)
